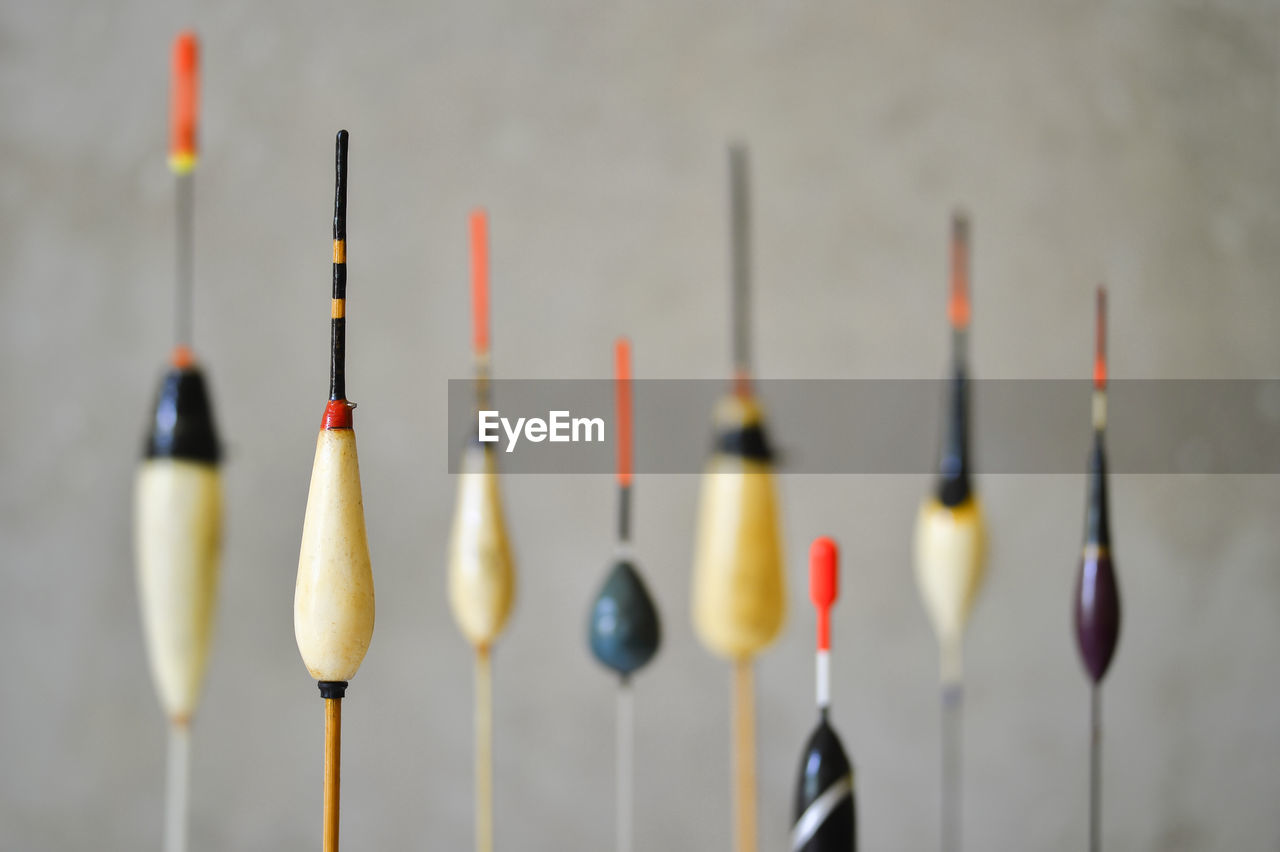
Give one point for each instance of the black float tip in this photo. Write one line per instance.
(340, 187)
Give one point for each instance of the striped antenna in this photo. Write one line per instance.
(338, 312)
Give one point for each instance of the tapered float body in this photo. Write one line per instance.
(1097, 598)
(333, 601)
(625, 631)
(1096, 604)
(950, 538)
(178, 517)
(178, 491)
(481, 570)
(824, 812)
(739, 585)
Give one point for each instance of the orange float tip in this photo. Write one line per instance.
(958, 308)
(184, 103)
(1100, 342)
(182, 357)
(480, 281)
(824, 559)
(622, 381)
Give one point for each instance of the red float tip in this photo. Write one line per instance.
(480, 281)
(1100, 342)
(184, 102)
(958, 309)
(622, 380)
(824, 558)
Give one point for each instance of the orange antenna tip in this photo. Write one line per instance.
(958, 309)
(824, 582)
(184, 103)
(622, 380)
(480, 281)
(1100, 342)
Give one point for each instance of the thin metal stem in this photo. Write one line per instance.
(952, 716)
(484, 751)
(177, 788)
(626, 759)
(1095, 768)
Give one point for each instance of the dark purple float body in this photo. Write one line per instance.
(1097, 612)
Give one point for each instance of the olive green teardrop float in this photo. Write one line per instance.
(624, 629)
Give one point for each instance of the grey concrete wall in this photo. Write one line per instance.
(1129, 141)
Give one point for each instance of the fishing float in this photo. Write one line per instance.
(624, 630)
(739, 586)
(950, 539)
(481, 569)
(333, 606)
(1097, 596)
(825, 811)
(178, 491)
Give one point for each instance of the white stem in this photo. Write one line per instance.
(175, 820)
(824, 679)
(626, 752)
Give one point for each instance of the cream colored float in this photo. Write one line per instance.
(177, 491)
(178, 511)
(333, 602)
(481, 571)
(950, 548)
(739, 582)
(950, 541)
(739, 588)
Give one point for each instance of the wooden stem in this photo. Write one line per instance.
(484, 751)
(176, 793)
(332, 771)
(744, 737)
